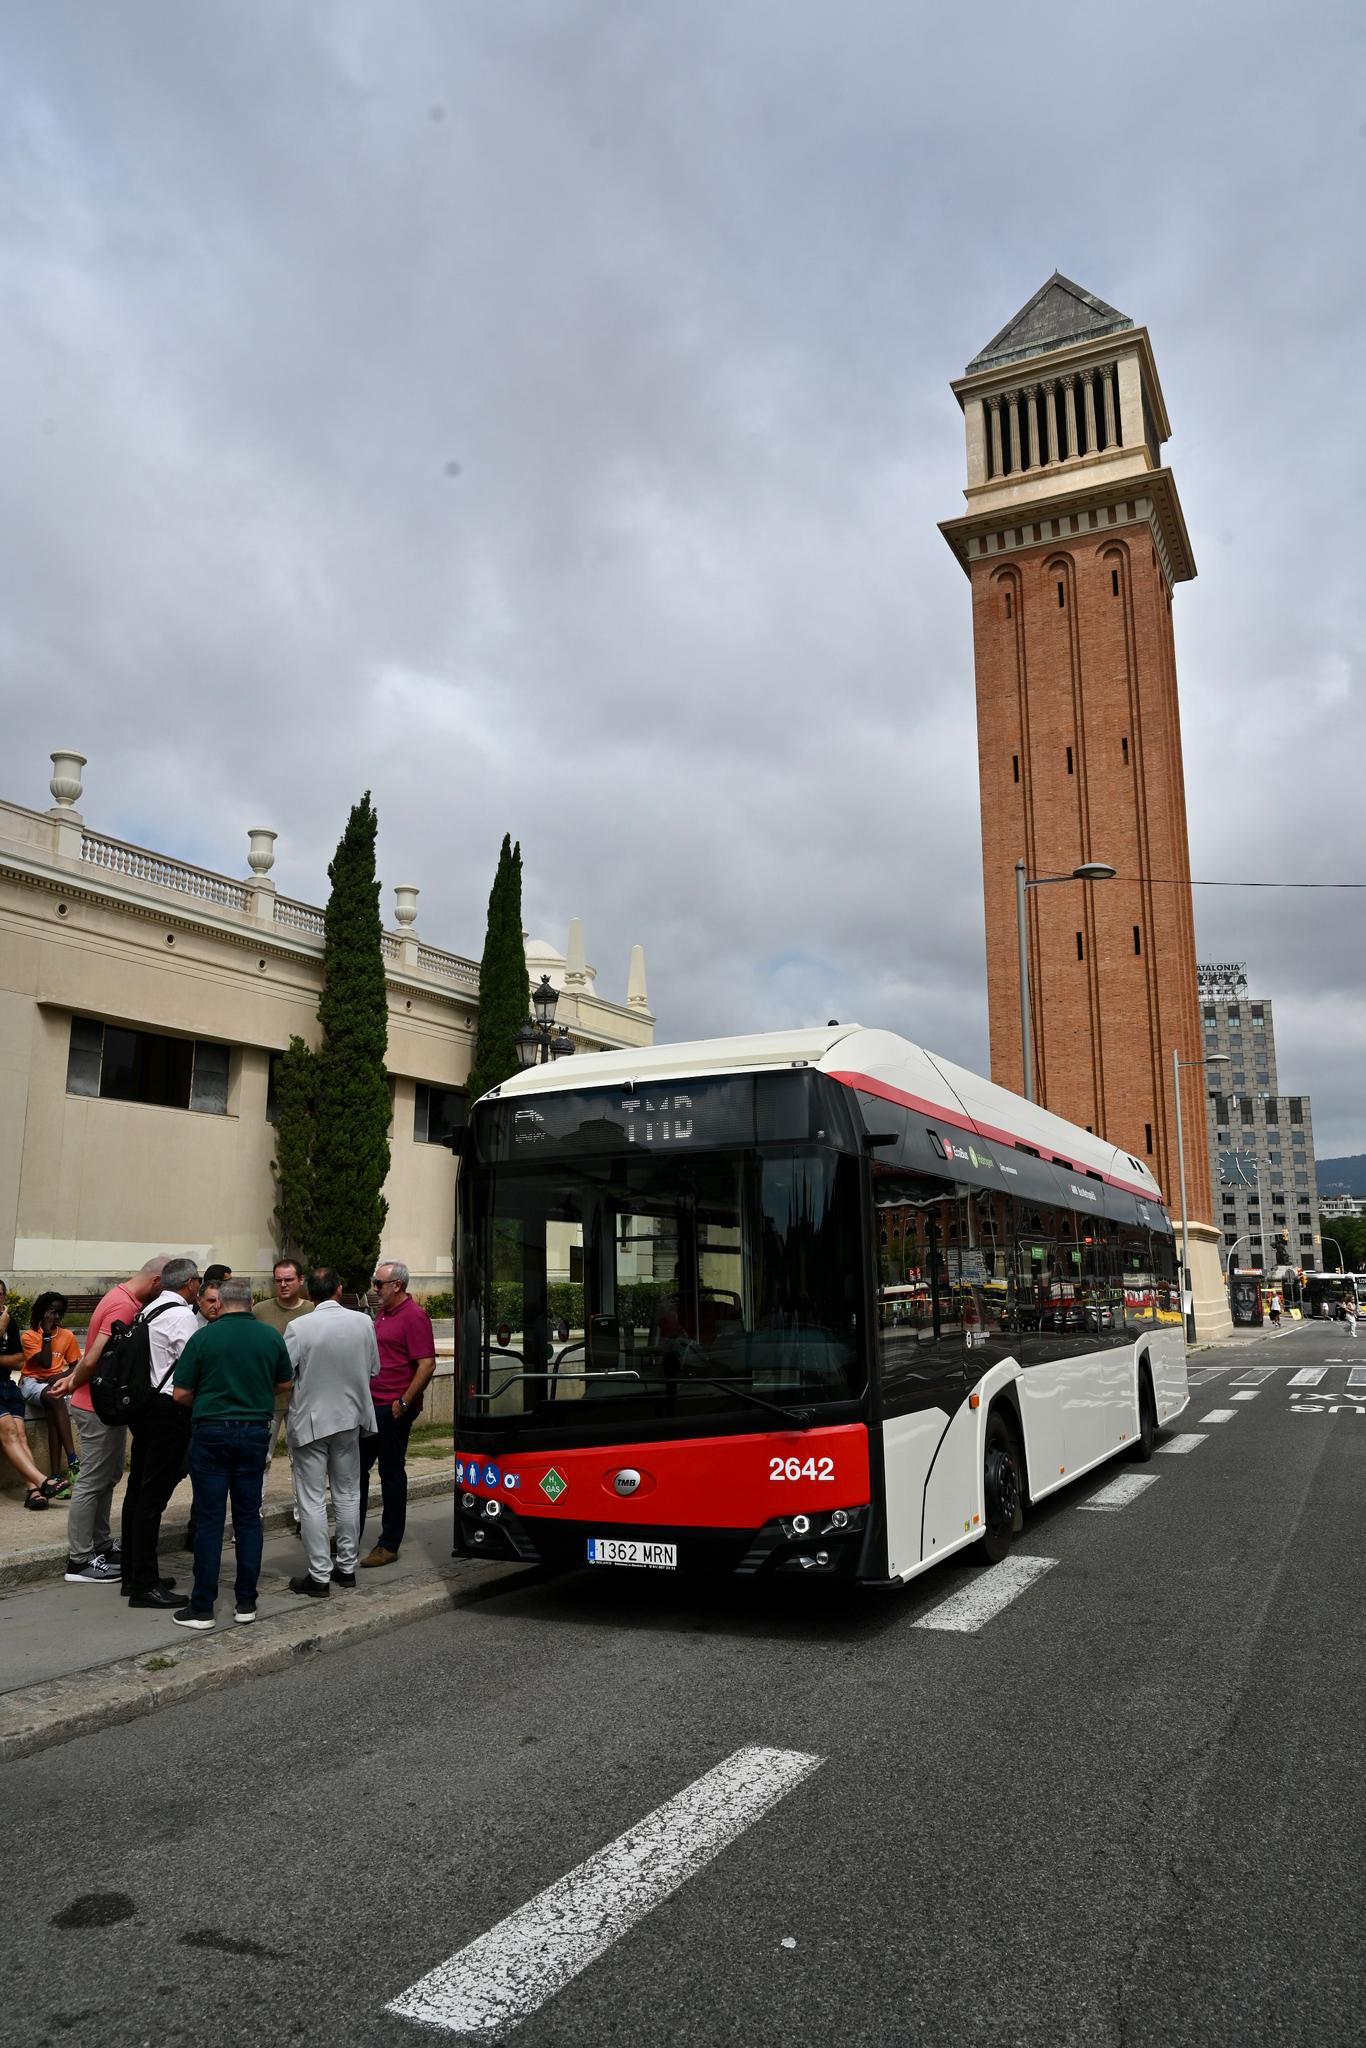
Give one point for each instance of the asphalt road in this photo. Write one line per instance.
(1128, 1809)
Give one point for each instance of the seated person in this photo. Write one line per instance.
(50, 1350)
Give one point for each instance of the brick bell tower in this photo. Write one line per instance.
(1073, 540)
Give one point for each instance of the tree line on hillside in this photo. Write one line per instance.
(333, 1105)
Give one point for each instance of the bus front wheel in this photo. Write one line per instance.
(1002, 1490)
(1147, 1421)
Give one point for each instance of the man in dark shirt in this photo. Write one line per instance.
(228, 1374)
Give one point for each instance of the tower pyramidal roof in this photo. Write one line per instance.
(1059, 314)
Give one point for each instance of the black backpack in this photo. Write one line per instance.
(121, 1386)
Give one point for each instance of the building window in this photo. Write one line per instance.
(1081, 950)
(438, 1114)
(1296, 1109)
(1239, 1080)
(1148, 1137)
(1138, 942)
(1015, 766)
(1303, 1216)
(1061, 598)
(1124, 748)
(1069, 760)
(1114, 584)
(119, 1065)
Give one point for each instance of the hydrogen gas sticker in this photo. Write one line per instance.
(553, 1485)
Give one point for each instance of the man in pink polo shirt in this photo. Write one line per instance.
(407, 1360)
(92, 1555)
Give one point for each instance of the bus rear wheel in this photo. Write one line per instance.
(1002, 1490)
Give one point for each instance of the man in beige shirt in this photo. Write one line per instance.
(290, 1302)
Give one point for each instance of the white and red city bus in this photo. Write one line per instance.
(808, 1302)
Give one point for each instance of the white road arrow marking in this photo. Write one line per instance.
(504, 1975)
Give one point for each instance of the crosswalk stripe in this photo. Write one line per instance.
(1257, 1377)
(1248, 1394)
(1119, 1492)
(963, 1613)
(1219, 1415)
(1310, 1375)
(509, 1972)
(1178, 1445)
(1357, 1376)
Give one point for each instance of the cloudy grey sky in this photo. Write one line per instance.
(537, 411)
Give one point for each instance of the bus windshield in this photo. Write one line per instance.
(662, 1293)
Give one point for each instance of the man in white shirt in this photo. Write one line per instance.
(335, 1357)
(161, 1438)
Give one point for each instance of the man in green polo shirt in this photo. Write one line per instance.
(228, 1375)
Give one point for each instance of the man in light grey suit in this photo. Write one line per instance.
(335, 1357)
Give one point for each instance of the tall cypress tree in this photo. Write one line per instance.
(504, 991)
(295, 1083)
(351, 1127)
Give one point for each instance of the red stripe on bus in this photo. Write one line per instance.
(963, 1122)
(701, 1482)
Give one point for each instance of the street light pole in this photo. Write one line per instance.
(537, 1043)
(1089, 871)
(1211, 1060)
(1326, 1239)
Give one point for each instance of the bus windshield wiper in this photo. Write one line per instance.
(800, 1418)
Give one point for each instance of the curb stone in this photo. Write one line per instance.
(40, 1560)
(38, 1717)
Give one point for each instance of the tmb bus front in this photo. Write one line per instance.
(662, 1360)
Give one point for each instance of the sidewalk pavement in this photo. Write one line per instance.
(33, 1545)
(76, 1658)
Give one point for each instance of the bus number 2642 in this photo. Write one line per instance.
(801, 1468)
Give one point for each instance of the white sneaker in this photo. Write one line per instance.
(244, 1614)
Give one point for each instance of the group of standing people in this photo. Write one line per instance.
(228, 1378)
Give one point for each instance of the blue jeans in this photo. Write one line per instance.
(227, 1459)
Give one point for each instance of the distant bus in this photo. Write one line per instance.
(1325, 1292)
(742, 1386)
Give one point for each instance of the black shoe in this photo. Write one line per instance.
(163, 1585)
(317, 1589)
(155, 1596)
(341, 1578)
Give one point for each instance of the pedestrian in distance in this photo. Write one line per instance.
(335, 1359)
(1275, 1310)
(407, 1354)
(50, 1351)
(161, 1436)
(1349, 1311)
(14, 1412)
(93, 1557)
(227, 1381)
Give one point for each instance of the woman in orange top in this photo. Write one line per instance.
(49, 1349)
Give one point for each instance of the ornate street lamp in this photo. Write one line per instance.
(538, 1042)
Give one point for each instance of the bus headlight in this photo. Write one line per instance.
(834, 1522)
(493, 1508)
(469, 1500)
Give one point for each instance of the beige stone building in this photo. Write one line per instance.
(143, 1003)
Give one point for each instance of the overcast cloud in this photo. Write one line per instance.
(539, 414)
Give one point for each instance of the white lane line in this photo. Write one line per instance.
(1258, 1376)
(1203, 1374)
(1310, 1375)
(1219, 1415)
(504, 1975)
(1120, 1492)
(1179, 1445)
(965, 1612)
(1248, 1394)
(1357, 1376)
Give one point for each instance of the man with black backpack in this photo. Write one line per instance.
(161, 1436)
(92, 1555)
